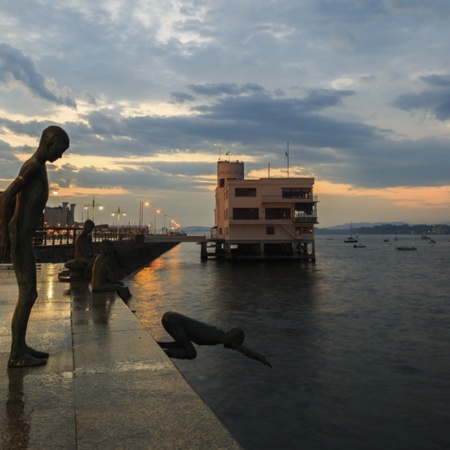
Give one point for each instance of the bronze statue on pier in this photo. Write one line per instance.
(185, 330)
(80, 268)
(21, 206)
(105, 275)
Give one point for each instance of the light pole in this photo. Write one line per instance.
(157, 211)
(141, 213)
(119, 213)
(93, 205)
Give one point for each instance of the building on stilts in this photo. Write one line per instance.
(266, 218)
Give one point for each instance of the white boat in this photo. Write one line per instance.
(405, 248)
(351, 239)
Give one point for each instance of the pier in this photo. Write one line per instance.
(107, 383)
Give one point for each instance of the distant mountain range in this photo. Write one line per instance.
(347, 226)
(196, 231)
(360, 228)
(386, 228)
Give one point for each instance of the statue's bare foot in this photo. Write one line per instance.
(36, 353)
(26, 361)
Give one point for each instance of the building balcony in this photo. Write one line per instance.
(306, 219)
(311, 218)
(290, 200)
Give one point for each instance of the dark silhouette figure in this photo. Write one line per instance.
(104, 272)
(84, 253)
(185, 330)
(21, 206)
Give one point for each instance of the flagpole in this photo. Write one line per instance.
(287, 156)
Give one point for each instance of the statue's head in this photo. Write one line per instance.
(55, 141)
(235, 335)
(106, 247)
(89, 225)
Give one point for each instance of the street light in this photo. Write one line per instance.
(141, 213)
(119, 213)
(157, 211)
(93, 205)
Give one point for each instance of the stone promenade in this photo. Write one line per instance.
(107, 384)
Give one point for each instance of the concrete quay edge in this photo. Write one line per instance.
(107, 384)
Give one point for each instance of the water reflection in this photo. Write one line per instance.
(16, 429)
(91, 308)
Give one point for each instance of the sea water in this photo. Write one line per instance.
(359, 342)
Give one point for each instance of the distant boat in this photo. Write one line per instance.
(351, 239)
(405, 248)
(359, 246)
(425, 237)
(386, 240)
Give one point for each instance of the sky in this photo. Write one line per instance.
(153, 94)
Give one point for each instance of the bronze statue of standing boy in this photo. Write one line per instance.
(21, 206)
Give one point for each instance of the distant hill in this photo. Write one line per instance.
(347, 226)
(197, 231)
(390, 228)
(386, 228)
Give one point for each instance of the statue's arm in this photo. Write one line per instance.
(8, 202)
(250, 354)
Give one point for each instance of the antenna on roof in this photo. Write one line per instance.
(287, 156)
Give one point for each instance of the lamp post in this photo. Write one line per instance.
(119, 213)
(141, 213)
(157, 211)
(93, 205)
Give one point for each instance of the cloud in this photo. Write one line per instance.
(213, 90)
(161, 86)
(435, 100)
(14, 65)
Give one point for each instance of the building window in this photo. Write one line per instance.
(303, 230)
(296, 192)
(222, 182)
(305, 211)
(278, 213)
(245, 192)
(270, 230)
(245, 213)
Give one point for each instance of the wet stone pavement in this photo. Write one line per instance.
(107, 384)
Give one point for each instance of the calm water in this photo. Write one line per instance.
(359, 343)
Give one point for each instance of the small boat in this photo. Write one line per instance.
(359, 246)
(425, 237)
(405, 248)
(351, 239)
(386, 240)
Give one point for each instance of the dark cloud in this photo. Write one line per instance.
(182, 97)
(435, 100)
(15, 65)
(213, 90)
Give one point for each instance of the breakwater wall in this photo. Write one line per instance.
(132, 253)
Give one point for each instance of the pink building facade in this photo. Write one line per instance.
(263, 218)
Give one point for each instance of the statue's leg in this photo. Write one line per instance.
(182, 348)
(187, 352)
(25, 268)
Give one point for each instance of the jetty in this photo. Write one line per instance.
(107, 383)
